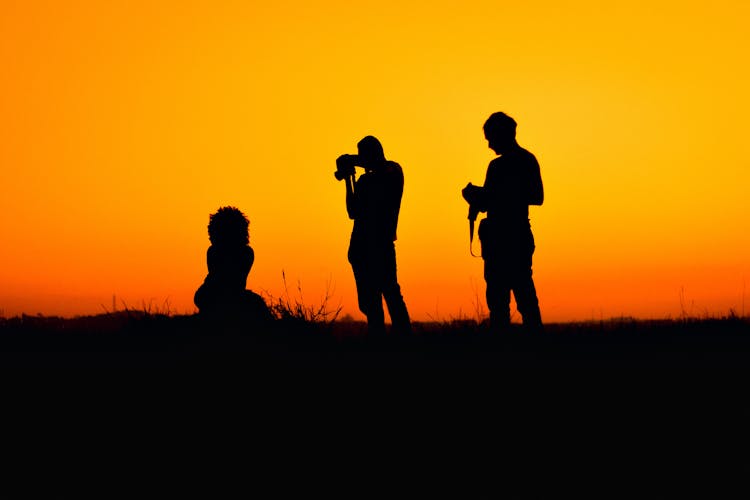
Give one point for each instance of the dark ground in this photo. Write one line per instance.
(621, 409)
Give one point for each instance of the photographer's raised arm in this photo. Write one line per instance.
(352, 205)
(345, 172)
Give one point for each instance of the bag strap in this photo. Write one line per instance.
(472, 218)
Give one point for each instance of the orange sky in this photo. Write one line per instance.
(125, 124)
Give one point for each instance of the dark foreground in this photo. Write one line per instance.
(619, 409)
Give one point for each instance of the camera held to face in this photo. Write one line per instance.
(345, 166)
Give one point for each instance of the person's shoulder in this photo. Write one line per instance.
(519, 158)
(393, 170)
(497, 164)
(526, 154)
(392, 166)
(363, 179)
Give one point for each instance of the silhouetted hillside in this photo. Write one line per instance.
(614, 409)
(723, 343)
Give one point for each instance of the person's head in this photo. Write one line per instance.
(500, 132)
(370, 153)
(227, 227)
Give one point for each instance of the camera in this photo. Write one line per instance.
(345, 166)
(471, 194)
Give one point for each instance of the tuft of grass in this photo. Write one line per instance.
(481, 314)
(148, 309)
(293, 308)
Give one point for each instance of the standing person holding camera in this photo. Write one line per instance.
(513, 182)
(373, 202)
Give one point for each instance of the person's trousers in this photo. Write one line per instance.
(507, 268)
(375, 275)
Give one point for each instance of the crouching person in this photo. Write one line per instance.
(223, 295)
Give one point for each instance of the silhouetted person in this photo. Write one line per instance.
(373, 201)
(230, 257)
(513, 182)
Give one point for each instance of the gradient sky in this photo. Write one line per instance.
(125, 124)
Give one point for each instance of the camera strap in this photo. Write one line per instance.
(471, 238)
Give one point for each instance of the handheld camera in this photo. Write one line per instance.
(470, 194)
(345, 166)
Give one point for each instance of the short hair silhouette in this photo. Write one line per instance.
(373, 202)
(371, 146)
(512, 183)
(500, 125)
(228, 226)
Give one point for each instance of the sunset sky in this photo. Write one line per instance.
(124, 124)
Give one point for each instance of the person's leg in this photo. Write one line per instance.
(523, 287)
(498, 293)
(392, 293)
(369, 297)
(527, 301)
(255, 308)
(202, 299)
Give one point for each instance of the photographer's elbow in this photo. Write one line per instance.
(537, 196)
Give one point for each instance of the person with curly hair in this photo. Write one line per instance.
(223, 293)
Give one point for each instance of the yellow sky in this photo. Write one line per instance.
(125, 124)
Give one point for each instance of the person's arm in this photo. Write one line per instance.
(211, 260)
(536, 189)
(396, 174)
(250, 257)
(352, 208)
